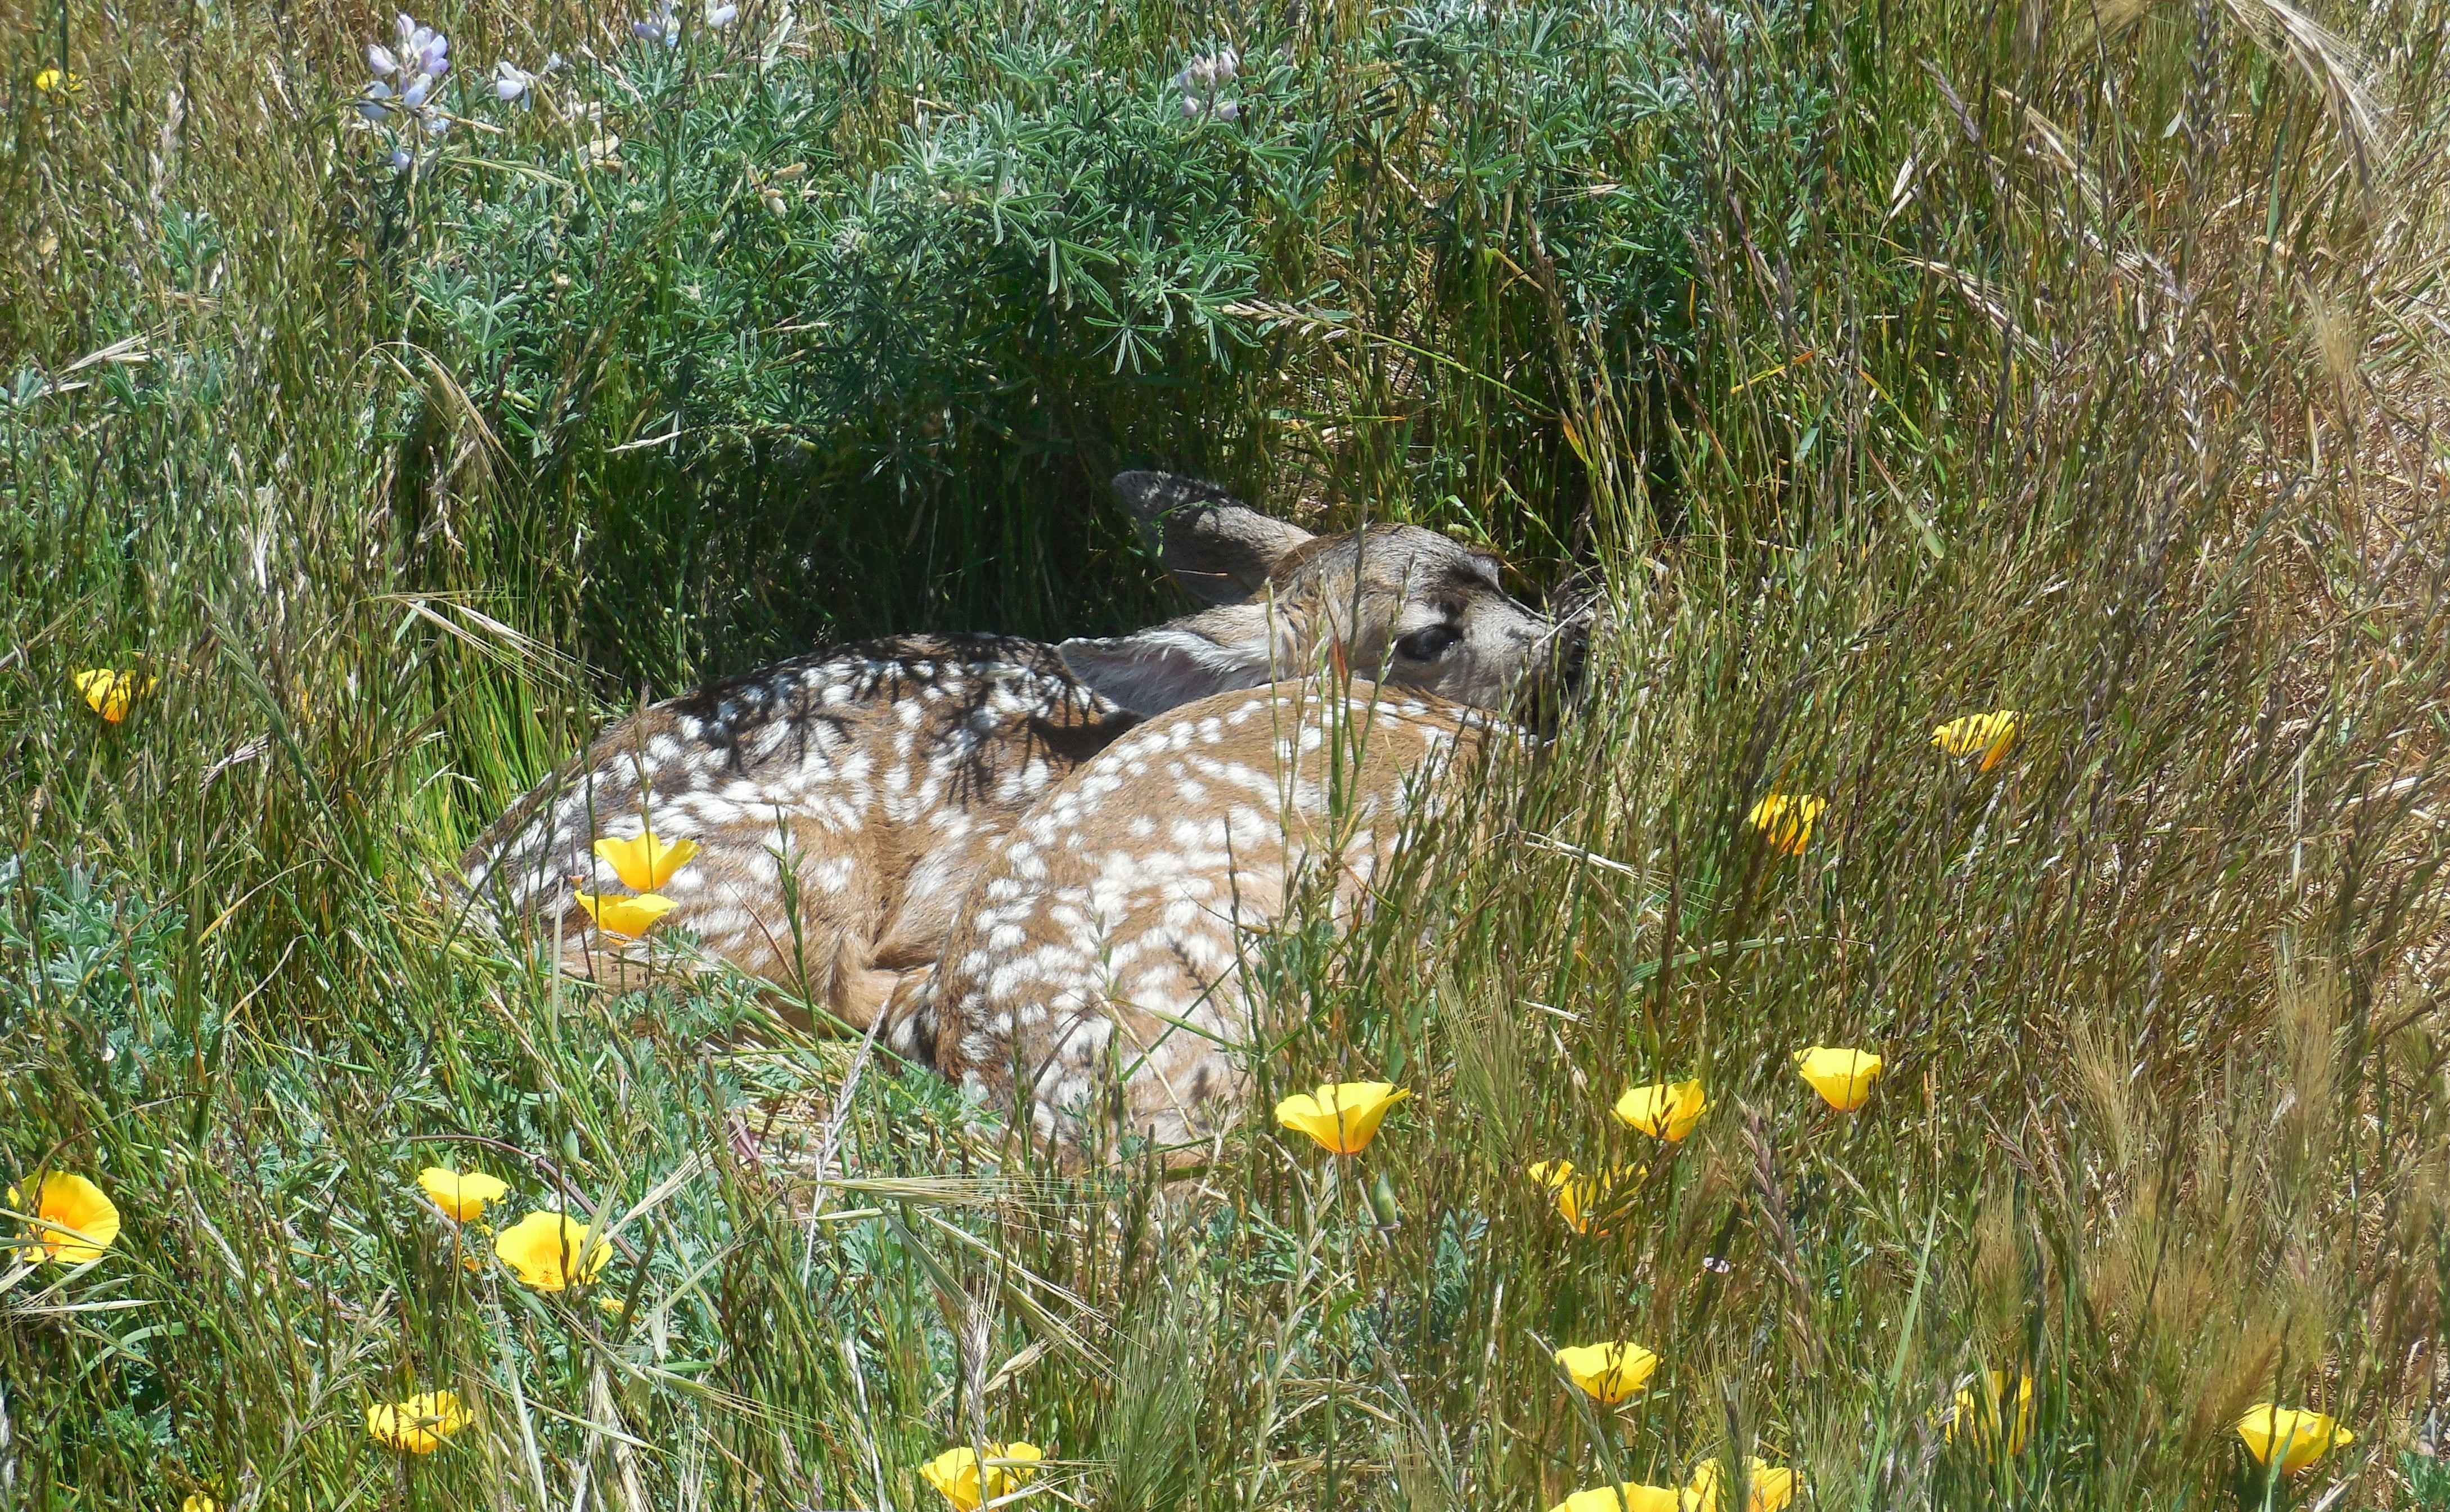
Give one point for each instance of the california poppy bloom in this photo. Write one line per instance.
(417, 1425)
(1983, 1412)
(1608, 1371)
(1843, 1077)
(462, 1195)
(2299, 1438)
(955, 1472)
(549, 1251)
(1625, 1497)
(1787, 821)
(1772, 1487)
(1992, 735)
(647, 863)
(624, 918)
(1666, 1109)
(110, 694)
(1576, 1194)
(1343, 1115)
(74, 1221)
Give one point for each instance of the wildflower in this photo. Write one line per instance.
(612, 1308)
(1991, 734)
(2300, 1438)
(110, 694)
(1624, 1498)
(511, 82)
(1608, 1371)
(198, 1501)
(1342, 1116)
(663, 27)
(647, 863)
(461, 1194)
(417, 1425)
(73, 1221)
(1576, 1195)
(1208, 71)
(1787, 821)
(57, 80)
(1982, 1412)
(720, 16)
(1666, 1109)
(1843, 1077)
(955, 1472)
(402, 160)
(406, 77)
(1716, 1265)
(624, 918)
(1772, 1488)
(1202, 77)
(549, 1251)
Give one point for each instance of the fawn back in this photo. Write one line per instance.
(1102, 967)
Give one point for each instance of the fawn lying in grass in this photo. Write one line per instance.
(843, 801)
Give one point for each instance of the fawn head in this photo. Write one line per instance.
(1396, 603)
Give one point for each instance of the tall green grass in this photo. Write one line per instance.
(1883, 364)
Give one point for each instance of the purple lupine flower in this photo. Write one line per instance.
(664, 27)
(720, 16)
(407, 75)
(1202, 77)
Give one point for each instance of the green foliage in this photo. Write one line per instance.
(1881, 364)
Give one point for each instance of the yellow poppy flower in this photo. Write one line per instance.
(1342, 1116)
(1668, 1109)
(549, 1251)
(955, 1472)
(417, 1425)
(51, 80)
(647, 863)
(1787, 821)
(462, 1195)
(66, 1202)
(1843, 1077)
(198, 1501)
(1608, 1371)
(110, 694)
(1625, 1497)
(1981, 1412)
(1772, 1487)
(1577, 1194)
(1992, 734)
(2300, 1437)
(624, 918)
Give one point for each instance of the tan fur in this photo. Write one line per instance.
(1098, 965)
(884, 771)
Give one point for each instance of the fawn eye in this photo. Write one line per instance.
(1427, 645)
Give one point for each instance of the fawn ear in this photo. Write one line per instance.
(1216, 650)
(1218, 548)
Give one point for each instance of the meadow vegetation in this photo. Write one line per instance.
(1879, 363)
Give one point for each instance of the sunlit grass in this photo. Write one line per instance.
(1891, 371)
